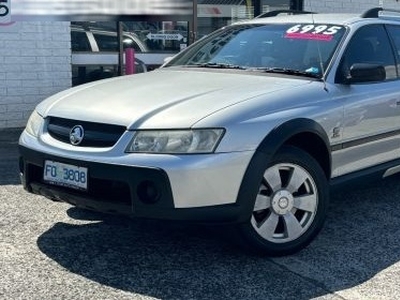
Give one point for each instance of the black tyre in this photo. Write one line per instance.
(290, 207)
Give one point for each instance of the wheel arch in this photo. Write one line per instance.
(302, 133)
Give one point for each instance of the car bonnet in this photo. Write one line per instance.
(162, 99)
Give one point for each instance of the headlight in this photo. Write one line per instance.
(176, 141)
(34, 124)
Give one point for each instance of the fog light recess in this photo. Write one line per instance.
(148, 192)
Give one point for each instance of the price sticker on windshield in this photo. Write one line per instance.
(312, 32)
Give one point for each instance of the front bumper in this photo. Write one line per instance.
(129, 189)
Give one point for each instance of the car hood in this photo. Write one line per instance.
(163, 98)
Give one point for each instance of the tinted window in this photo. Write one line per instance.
(110, 42)
(106, 42)
(370, 44)
(128, 42)
(394, 32)
(79, 41)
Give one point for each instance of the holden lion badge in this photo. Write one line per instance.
(76, 135)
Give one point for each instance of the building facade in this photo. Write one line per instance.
(35, 62)
(349, 6)
(38, 58)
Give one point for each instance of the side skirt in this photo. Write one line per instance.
(365, 176)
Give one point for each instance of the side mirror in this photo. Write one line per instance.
(364, 72)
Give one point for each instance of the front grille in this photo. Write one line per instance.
(96, 134)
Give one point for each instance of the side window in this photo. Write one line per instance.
(394, 32)
(106, 42)
(371, 45)
(79, 41)
(128, 42)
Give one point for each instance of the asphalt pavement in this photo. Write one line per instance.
(52, 250)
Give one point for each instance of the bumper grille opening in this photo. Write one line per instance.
(110, 191)
(96, 134)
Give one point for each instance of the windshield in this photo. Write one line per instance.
(286, 48)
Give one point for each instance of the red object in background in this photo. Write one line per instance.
(129, 61)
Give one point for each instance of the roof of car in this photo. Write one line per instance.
(326, 18)
(310, 18)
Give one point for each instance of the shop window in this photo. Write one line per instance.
(163, 36)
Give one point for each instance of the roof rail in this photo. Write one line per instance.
(374, 12)
(274, 13)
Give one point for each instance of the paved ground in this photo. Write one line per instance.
(54, 251)
(8, 156)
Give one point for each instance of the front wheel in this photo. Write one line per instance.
(291, 204)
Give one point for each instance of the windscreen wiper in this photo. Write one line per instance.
(288, 71)
(219, 66)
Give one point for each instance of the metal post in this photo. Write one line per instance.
(120, 36)
(257, 7)
(193, 26)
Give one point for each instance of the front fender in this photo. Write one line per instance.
(303, 133)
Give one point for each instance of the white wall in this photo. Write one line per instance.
(35, 62)
(347, 6)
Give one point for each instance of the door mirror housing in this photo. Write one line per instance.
(366, 72)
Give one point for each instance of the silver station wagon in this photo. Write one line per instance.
(251, 126)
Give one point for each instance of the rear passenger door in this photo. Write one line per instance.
(371, 120)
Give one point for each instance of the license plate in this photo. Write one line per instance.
(65, 175)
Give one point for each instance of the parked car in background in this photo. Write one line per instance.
(101, 41)
(251, 126)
